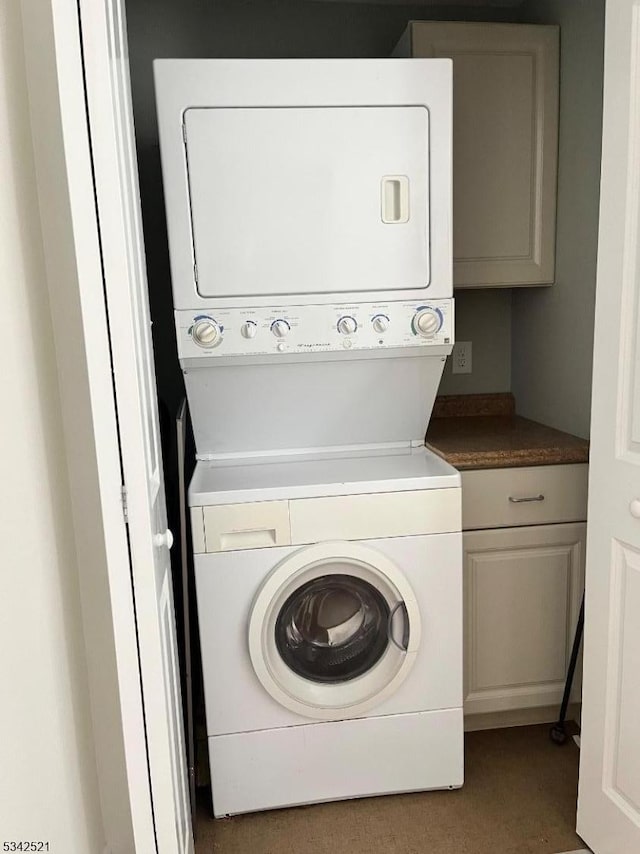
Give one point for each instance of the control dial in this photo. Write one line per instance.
(426, 322)
(206, 332)
(248, 329)
(280, 328)
(380, 323)
(347, 325)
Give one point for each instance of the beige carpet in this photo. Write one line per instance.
(519, 797)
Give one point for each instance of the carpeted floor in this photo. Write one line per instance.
(519, 797)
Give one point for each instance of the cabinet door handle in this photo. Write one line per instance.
(525, 500)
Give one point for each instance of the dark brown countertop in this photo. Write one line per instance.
(483, 431)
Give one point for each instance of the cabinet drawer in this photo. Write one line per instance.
(258, 524)
(500, 498)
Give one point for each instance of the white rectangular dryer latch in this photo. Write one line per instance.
(394, 199)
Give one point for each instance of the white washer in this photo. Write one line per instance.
(330, 610)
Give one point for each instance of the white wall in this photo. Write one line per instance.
(552, 330)
(48, 784)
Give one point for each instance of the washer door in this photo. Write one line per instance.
(334, 630)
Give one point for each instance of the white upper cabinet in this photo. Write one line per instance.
(505, 143)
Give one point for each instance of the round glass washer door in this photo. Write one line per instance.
(334, 630)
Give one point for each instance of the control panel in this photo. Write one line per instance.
(315, 328)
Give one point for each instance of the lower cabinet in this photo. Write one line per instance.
(523, 587)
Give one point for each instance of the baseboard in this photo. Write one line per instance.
(519, 717)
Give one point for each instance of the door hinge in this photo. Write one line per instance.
(184, 133)
(125, 506)
(195, 273)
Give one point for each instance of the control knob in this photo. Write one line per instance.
(248, 329)
(280, 328)
(380, 323)
(206, 332)
(347, 325)
(426, 322)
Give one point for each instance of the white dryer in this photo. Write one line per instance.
(330, 611)
(309, 220)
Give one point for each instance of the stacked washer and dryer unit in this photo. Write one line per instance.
(309, 217)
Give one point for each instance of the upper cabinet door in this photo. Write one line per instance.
(505, 141)
(313, 200)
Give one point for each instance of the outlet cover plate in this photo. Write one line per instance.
(461, 357)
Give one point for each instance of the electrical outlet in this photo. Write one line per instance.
(461, 357)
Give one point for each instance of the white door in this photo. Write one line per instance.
(308, 200)
(609, 794)
(106, 68)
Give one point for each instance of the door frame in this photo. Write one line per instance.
(71, 239)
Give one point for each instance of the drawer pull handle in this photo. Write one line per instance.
(526, 500)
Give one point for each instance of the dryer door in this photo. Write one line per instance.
(321, 200)
(334, 630)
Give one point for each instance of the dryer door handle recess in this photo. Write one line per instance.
(404, 645)
(394, 201)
